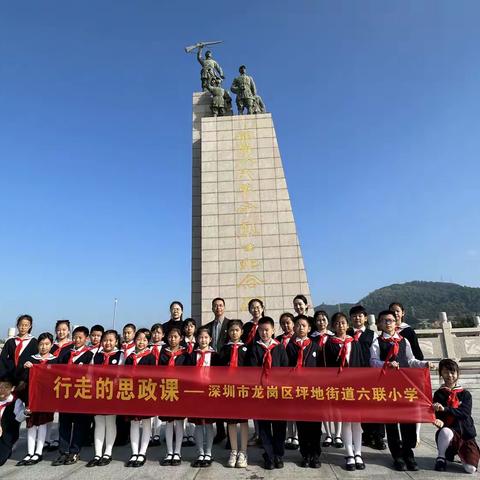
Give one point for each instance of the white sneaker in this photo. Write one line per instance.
(232, 460)
(241, 460)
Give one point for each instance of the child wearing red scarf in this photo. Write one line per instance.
(456, 430)
(73, 427)
(391, 350)
(174, 355)
(302, 352)
(343, 352)
(233, 354)
(267, 353)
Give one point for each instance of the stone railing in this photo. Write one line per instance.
(459, 344)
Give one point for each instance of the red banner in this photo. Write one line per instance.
(316, 394)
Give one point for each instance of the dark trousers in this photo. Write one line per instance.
(273, 433)
(309, 435)
(401, 447)
(73, 428)
(375, 431)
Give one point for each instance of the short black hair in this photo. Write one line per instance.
(8, 378)
(26, 317)
(111, 332)
(337, 316)
(175, 329)
(97, 328)
(449, 365)
(203, 329)
(45, 335)
(81, 329)
(302, 317)
(320, 312)
(358, 309)
(234, 322)
(59, 322)
(130, 325)
(156, 326)
(265, 320)
(250, 303)
(190, 320)
(287, 314)
(145, 331)
(218, 298)
(384, 313)
(176, 302)
(398, 304)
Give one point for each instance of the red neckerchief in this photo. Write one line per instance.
(106, 356)
(190, 346)
(301, 348)
(173, 356)
(202, 353)
(453, 400)
(252, 333)
(59, 350)
(267, 356)
(286, 338)
(394, 349)
(234, 354)
(127, 346)
(342, 354)
(77, 353)
(156, 348)
(136, 357)
(19, 346)
(322, 339)
(356, 336)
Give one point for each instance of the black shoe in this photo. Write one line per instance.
(327, 442)
(315, 462)
(132, 461)
(24, 461)
(36, 458)
(378, 444)
(167, 460)
(359, 463)
(440, 464)
(140, 462)
(268, 465)
(399, 465)
(72, 458)
(60, 460)
(219, 437)
(349, 466)
(305, 462)
(105, 460)
(278, 462)
(199, 461)
(93, 462)
(411, 464)
(337, 442)
(207, 461)
(176, 460)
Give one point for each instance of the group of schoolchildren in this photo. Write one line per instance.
(306, 342)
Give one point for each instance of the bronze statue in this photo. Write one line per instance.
(258, 105)
(244, 87)
(210, 68)
(221, 102)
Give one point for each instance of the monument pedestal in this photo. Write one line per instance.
(244, 239)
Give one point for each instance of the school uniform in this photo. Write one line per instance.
(232, 355)
(342, 353)
(115, 357)
(15, 353)
(156, 348)
(457, 416)
(407, 332)
(189, 345)
(284, 338)
(128, 348)
(384, 349)
(306, 353)
(73, 427)
(57, 350)
(10, 418)
(373, 433)
(250, 333)
(271, 432)
(167, 326)
(36, 419)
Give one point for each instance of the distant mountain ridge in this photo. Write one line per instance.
(422, 300)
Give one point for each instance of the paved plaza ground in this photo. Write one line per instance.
(378, 463)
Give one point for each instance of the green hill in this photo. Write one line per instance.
(422, 300)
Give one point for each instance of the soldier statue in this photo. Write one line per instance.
(244, 87)
(211, 70)
(221, 102)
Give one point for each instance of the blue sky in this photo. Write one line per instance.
(375, 104)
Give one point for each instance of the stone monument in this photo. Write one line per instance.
(244, 239)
